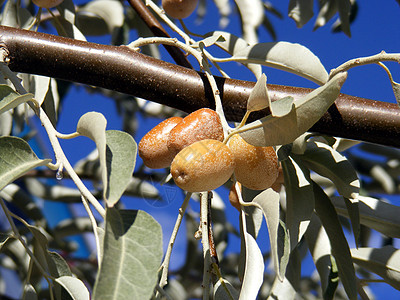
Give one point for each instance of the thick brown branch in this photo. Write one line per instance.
(155, 26)
(126, 71)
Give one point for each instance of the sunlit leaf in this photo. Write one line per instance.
(41, 87)
(131, 258)
(10, 99)
(340, 248)
(29, 292)
(73, 226)
(254, 269)
(111, 12)
(121, 153)
(285, 56)
(93, 125)
(382, 261)
(299, 199)
(375, 214)
(320, 249)
(301, 11)
(326, 12)
(259, 98)
(252, 15)
(16, 158)
(224, 9)
(67, 25)
(327, 162)
(223, 290)
(270, 131)
(268, 201)
(75, 287)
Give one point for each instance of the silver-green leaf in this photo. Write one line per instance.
(121, 153)
(270, 130)
(131, 257)
(382, 261)
(93, 125)
(10, 98)
(75, 287)
(16, 158)
(289, 57)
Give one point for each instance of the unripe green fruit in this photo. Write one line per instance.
(153, 146)
(256, 168)
(47, 3)
(202, 166)
(179, 9)
(199, 125)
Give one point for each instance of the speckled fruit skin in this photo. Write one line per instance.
(255, 167)
(153, 146)
(47, 3)
(199, 125)
(179, 9)
(203, 166)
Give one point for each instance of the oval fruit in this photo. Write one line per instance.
(179, 9)
(255, 167)
(202, 166)
(47, 3)
(199, 125)
(153, 146)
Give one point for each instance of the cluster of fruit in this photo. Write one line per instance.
(199, 157)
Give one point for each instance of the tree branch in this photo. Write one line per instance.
(126, 71)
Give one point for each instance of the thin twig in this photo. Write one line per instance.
(206, 245)
(165, 263)
(383, 56)
(52, 134)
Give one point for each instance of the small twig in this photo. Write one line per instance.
(165, 263)
(213, 252)
(46, 276)
(206, 245)
(383, 56)
(94, 225)
(52, 134)
(159, 31)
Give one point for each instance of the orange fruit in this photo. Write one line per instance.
(202, 166)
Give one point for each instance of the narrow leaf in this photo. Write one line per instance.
(16, 158)
(110, 11)
(30, 292)
(374, 213)
(93, 125)
(223, 290)
(254, 270)
(344, 7)
(329, 163)
(340, 248)
(289, 57)
(10, 98)
(75, 287)
(382, 261)
(301, 11)
(320, 249)
(121, 153)
(252, 15)
(131, 257)
(299, 199)
(270, 131)
(268, 201)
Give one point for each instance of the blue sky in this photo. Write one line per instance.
(376, 28)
